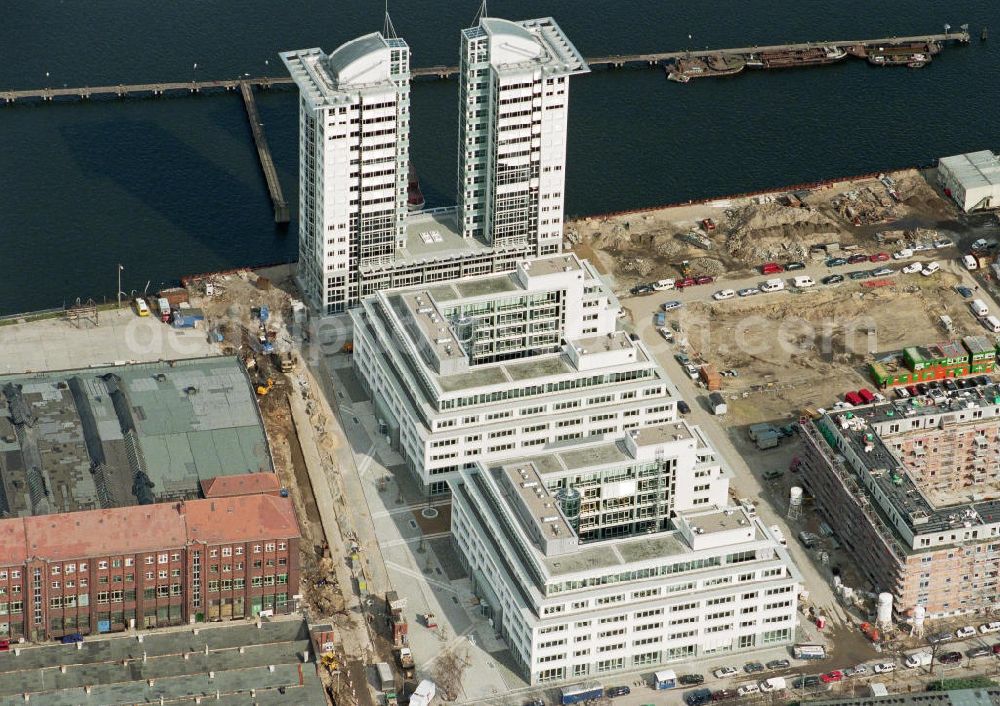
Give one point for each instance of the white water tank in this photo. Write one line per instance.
(884, 611)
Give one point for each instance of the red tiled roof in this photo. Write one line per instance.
(240, 518)
(121, 530)
(13, 549)
(146, 528)
(242, 484)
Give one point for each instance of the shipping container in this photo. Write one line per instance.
(385, 676)
(710, 376)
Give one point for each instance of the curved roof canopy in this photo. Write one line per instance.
(361, 60)
(510, 43)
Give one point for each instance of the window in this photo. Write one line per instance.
(102, 565)
(227, 551)
(162, 559)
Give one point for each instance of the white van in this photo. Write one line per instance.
(772, 285)
(992, 323)
(803, 281)
(979, 308)
(930, 268)
(970, 262)
(918, 659)
(773, 684)
(663, 284)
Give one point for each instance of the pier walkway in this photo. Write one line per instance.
(610, 61)
(281, 214)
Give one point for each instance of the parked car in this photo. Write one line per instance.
(882, 272)
(810, 681)
(691, 679)
(686, 282)
(730, 373)
(996, 648)
(943, 243)
(753, 667)
(672, 304)
(859, 274)
(912, 268)
(879, 257)
(856, 258)
(902, 254)
(534, 702)
(930, 268)
(683, 407)
(613, 691)
(792, 266)
(965, 292)
(856, 671)
(723, 672)
(981, 651)
(748, 689)
(73, 637)
(832, 279)
(704, 279)
(779, 664)
(943, 636)
(803, 281)
(682, 358)
(708, 224)
(987, 628)
(835, 262)
(698, 697)
(831, 677)
(884, 667)
(642, 289)
(950, 658)
(724, 695)
(748, 292)
(770, 268)
(724, 294)
(968, 630)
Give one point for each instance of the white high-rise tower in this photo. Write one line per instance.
(353, 160)
(514, 103)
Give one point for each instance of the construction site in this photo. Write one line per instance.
(799, 348)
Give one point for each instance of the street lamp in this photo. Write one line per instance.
(120, 268)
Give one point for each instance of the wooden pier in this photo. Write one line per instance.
(281, 214)
(444, 72)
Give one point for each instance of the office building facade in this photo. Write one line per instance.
(486, 367)
(514, 104)
(355, 236)
(354, 117)
(611, 555)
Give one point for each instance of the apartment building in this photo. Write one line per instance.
(909, 488)
(355, 235)
(514, 104)
(487, 367)
(610, 555)
(354, 116)
(147, 566)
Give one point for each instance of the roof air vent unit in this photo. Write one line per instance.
(551, 518)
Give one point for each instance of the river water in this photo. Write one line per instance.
(172, 186)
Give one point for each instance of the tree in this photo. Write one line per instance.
(449, 670)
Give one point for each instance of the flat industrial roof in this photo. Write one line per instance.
(974, 169)
(435, 234)
(192, 419)
(176, 663)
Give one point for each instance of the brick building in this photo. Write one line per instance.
(910, 487)
(147, 566)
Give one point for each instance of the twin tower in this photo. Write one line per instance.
(356, 233)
